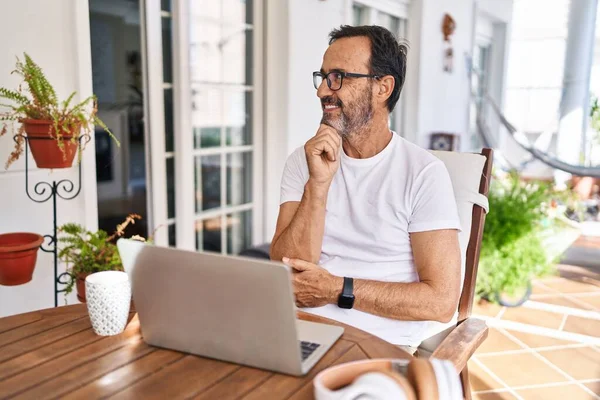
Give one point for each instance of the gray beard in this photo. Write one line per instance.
(349, 125)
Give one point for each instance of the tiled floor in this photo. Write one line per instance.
(515, 365)
(549, 348)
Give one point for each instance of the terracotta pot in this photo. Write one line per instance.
(80, 284)
(520, 296)
(18, 255)
(44, 147)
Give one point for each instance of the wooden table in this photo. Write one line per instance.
(55, 353)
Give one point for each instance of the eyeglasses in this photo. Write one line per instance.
(335, 78)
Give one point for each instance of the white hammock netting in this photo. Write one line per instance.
(521, 139)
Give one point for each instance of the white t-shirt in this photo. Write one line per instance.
(372, 206)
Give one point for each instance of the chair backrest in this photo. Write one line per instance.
(465, 304)
(470, 174)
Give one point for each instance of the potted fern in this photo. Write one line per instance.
(87, 252)
(52, 127)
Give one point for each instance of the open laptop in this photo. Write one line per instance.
(228, 308)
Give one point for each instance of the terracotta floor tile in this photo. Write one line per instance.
(562, 301)
(587, 241)
(594, 281)
(581, 362)
(497, 341)
(481, 380)
(539, 288)
(485, 308)
(566, 392)
(585, 326)
(530, 316)
(593, 301)
(494, 396)
(534, 341)
(521, 369)
(570, 286)
(594, 387)
(575, 272)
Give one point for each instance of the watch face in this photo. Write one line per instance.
(346, 301)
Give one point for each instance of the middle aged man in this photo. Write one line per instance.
(368, 220)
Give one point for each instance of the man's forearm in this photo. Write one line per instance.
(303, 237)
(418, 301)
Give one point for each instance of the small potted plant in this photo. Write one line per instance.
(513, 250)
(53, 128)
(87, 252)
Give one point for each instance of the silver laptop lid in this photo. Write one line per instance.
(229, 308)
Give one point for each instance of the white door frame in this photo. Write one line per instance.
(258, 127)
(85, 89)
(154, 119)
(182, 113)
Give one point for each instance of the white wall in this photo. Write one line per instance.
(56, 35)
(310, 23)
(499, 10)
(435, 100)
(443, 97)
(297, 37)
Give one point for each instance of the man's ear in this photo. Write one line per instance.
(386, 86)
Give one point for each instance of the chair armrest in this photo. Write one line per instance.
(462, 342)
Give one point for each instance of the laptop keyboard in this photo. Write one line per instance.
(308, 348)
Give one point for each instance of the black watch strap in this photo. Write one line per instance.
(346, 298)
(348, 286)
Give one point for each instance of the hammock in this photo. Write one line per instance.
(521, 139)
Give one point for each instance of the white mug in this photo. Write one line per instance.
(108, 295)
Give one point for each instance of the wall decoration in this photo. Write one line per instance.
(448, 27)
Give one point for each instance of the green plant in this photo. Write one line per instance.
(512, 252)
(41, 103)
(89, 252)
(509, 268)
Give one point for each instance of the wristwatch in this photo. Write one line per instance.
(346, 299)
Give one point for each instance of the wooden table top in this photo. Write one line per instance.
(55, 353)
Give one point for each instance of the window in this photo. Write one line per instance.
(358, 14)
(479, 80)
(169, 127)
(222, 61)
(376, 12)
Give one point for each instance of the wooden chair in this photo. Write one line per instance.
(458, 343)
(458, 340)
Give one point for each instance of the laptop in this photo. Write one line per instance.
(228, 308)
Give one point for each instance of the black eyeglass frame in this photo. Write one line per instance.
(342, 74)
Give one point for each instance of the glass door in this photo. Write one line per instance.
(225, 80)
(210, 90)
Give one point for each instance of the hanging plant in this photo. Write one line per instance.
(52, 127)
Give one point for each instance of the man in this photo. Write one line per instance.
(363, 212)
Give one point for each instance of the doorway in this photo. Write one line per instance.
(115, 35)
